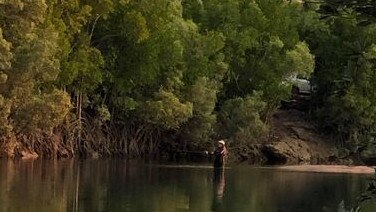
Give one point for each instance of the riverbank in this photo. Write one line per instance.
(330, 169)
(294, 140)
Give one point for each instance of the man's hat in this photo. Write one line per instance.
(222, 142)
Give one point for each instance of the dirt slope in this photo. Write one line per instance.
(292, 128)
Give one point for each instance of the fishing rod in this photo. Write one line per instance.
(196, 152)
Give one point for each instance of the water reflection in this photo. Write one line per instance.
(117, 185)
(366, 201)
(218, 188)
(29, 186)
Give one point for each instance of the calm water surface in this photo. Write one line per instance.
(115, 185)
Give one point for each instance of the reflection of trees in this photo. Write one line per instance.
(54, 185)
(6, 176)
(270, 190)
(366, 200)
(35, 185)
(115, 185)
(164, 189)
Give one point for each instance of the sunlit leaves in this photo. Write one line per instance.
(159, 59)
(3, 78)
(135, 27)
(166, 110)
(30, 55)
(5, 109)
(203, 95)
(240, 119)
(83, 70)
(73, 13)
(42, 112)
(260, 37)
(101, 7)
(5, 53)
(160, 63)
(301, 60)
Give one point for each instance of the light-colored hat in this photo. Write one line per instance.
(222, 142)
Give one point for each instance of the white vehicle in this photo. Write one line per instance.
(301, 94)
(300, 86)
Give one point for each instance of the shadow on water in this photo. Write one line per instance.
(118, 185)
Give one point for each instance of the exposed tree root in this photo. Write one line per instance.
(90, 140)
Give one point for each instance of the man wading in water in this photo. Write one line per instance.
(220, 155)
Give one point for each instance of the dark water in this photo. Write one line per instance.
(115, 185)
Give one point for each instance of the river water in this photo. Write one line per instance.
(118, 185)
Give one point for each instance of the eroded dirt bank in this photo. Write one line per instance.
(293, 140)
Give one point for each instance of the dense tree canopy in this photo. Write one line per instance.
(133, 77)
(341, 35)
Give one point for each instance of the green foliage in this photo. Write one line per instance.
(30, 60)
(191, 71)
(262, 45)
(5, 63)
(364, 9)
(240, 120)
(203, 95)
(198, 130)
(342, 38)
(5, 53)
(136, 29)
(157, 59)
(344, 75)
(166, 110)
(5, 126)
(369, 154)
(83, 69)
(301, 60)
(103, 113)
(42, 113)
